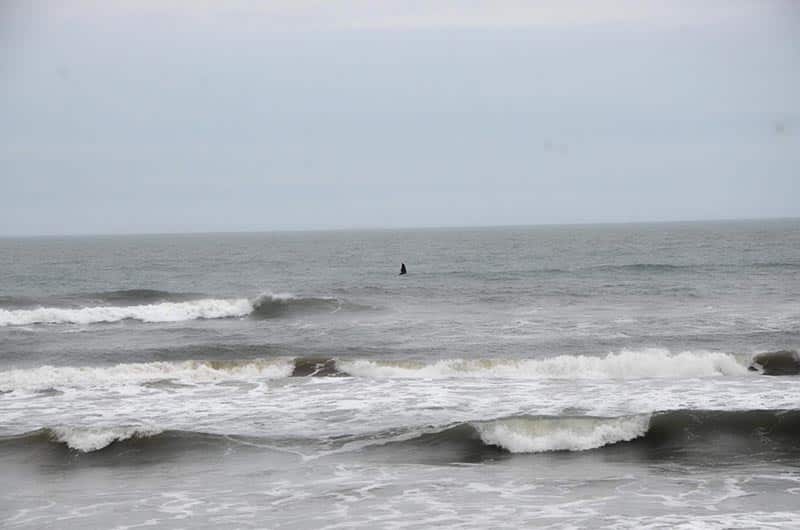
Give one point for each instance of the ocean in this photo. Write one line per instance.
(550, 376)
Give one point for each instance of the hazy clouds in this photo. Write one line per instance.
(173, 116)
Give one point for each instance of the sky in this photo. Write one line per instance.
(195, 116)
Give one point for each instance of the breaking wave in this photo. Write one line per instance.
(147, 439)
(87, 439)
(184, 372)
(267, 305)
(81, 300)
(162, 312)
(537, 435)
(275, 305)
(745, 431)
(626, 364)
(716, 434)
(782, 362)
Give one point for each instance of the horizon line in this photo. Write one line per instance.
(393, 228)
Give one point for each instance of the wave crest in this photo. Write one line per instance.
(542, 434)
(88, 439)
(267, 305)
(271, 305)
(761, 433)
(626, 364)
(161, 312)
(678, 432)
(185, 372)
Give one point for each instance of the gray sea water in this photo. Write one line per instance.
(562, 376)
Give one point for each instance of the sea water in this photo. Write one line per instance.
(564, 376)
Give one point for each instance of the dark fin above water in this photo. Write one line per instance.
(402, 269)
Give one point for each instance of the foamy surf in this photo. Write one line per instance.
(537, 435)
(515, 434)
(622, 365)
(680, 430)
(88, 439)
(162, 312)
(265, 305)
(184, 372)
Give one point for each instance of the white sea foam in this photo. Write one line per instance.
(87, 439)
(276, 297)
(186, 372)
(208, 308)
(161, 312)
(536, 435)
(623, 365)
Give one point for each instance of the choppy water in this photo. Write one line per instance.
(567, 376)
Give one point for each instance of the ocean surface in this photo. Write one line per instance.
(558, 376)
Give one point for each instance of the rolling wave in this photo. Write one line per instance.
(737, 431)
(659, 434)
(271, 305)
(267, 305)
(538, 435)
(97, 439)
(88, 439)
(81, 300)
(782, 362)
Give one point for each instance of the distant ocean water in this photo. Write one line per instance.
(557, 376)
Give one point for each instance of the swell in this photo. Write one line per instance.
(649, 269)
(644, 267)
(140, 296)
(150, 306)
(777, 265)
(640, 267)
(668, 267)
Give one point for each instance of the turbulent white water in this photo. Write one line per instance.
(208, 308)
(88, 439)
(162, 312)
(650, 363)
(626, 364)
(185, 372)
(536, 435)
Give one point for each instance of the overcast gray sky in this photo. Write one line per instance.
(165, 116)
